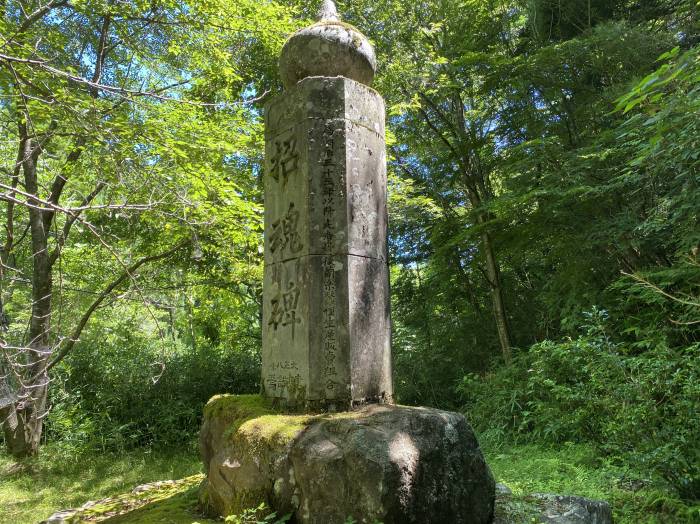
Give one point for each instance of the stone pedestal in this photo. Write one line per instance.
(326, 326)
(389, 464)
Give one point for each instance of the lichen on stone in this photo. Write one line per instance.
(325, 23)
(241, 405)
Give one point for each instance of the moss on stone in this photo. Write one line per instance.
(235, 410)
(179, 508)
(173, 502)
(254, 418)
(238, 406)
(511, 509)
(278, 428)
(244, 500)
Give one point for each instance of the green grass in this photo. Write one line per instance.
(58, 479)
(177, 505)
(578, 470)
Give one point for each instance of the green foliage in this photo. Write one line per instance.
(259, 515)
(578, 469)
(174, 506)
(131, 393)
(575, 124)
(581, 193)
(145, 141)
(135, 380)
(634, 408)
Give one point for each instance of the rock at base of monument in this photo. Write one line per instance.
(549, 509)
(561, 509)
(381, 463)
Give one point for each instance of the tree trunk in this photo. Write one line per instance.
(23, 419)
(22, 427)
(478, 192)
(499, 309)
(493, 274)
(468, 286)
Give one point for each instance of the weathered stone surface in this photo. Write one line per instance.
(327, 48)
(549, 509)
(381, 463)
(245, 446)
(561, 509)
(335, 206)
(350, 336)
(326, 325)
(325, 98)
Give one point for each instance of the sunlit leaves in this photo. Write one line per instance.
(160, 122)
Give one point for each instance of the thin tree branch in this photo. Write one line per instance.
(440, 135)
(35, 16)
(59, 182)
(122, 91)
(71, 219)
(70, 342)
(660, 291)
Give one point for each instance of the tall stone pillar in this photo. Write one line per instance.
(326, 325)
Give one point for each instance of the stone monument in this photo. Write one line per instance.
(326, 326)
(326, 331)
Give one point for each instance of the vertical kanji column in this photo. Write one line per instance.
(326, 322)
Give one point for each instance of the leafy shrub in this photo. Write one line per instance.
(642, 408)
(134, 393)
(259, 515)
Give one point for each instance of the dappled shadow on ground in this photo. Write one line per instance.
(178, 508)
(170, 501)
(60, 478)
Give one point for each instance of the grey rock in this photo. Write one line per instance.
(561, 509)
(549, 509)
(63, 517)
(328, 11)
(393, 465)
(385, 464)
(502, 489)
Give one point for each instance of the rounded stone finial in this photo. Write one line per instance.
(328, 11)
(327, 48)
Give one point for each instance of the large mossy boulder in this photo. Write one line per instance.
(386, 464)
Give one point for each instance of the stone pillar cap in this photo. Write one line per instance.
(327, 48)
(328, 12)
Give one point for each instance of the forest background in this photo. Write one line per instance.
(544, 221)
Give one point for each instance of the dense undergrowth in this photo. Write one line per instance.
(112, 398)
(576, 469)
(590, 415)
(636, 409)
